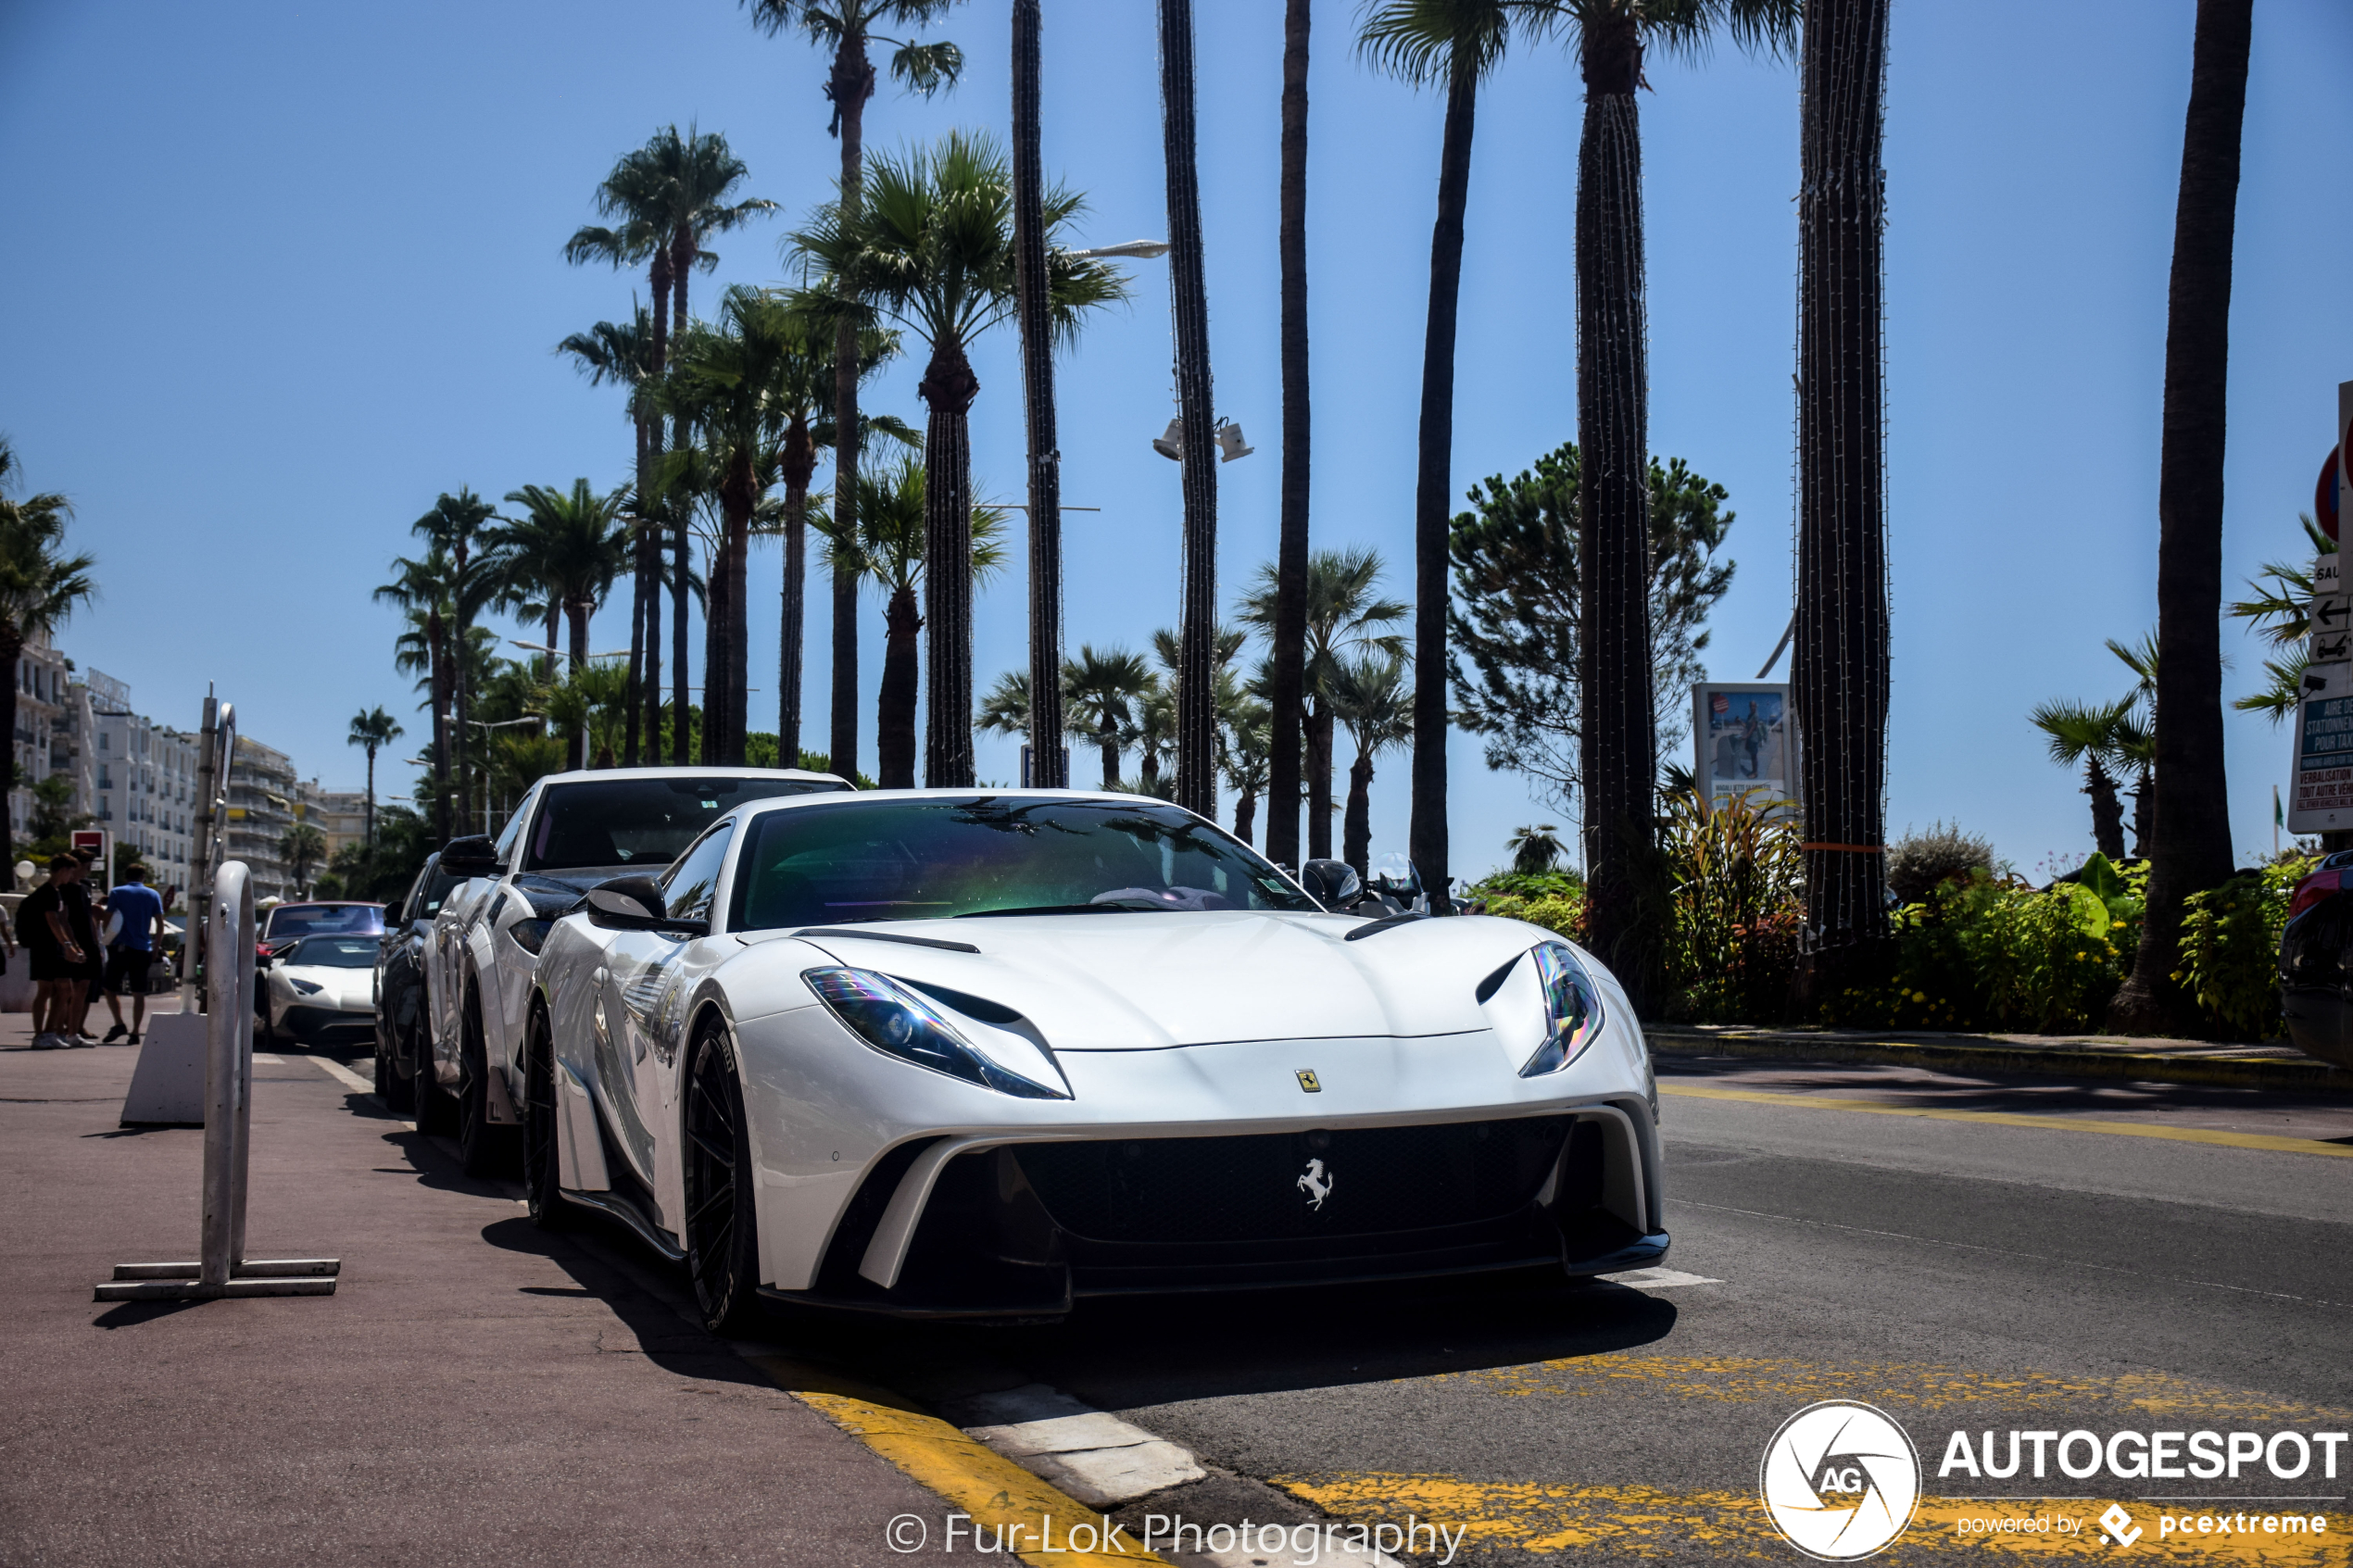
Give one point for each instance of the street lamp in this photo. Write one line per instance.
(1140, 250)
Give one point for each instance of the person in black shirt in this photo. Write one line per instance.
(54, 927)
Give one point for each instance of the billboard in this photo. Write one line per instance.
(1744, 738)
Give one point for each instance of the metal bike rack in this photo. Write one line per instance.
(225, 1270)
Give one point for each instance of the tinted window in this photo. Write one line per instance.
(435, 890)
(641, 822)
(335, 952)
(688, 888)
(911, 860)
(301, 920)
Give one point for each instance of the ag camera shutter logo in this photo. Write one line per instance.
(1840, 1480)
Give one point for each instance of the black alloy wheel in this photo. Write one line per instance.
(722, 1248)
(484, 1149)
(542, 1158)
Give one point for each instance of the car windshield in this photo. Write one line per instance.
(917, 860)
(335, 952)
(290, 920)
(639, 821)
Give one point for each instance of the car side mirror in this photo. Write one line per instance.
(474, 855)
(633, 903)
(1333, 883)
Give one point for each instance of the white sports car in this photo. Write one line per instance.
(962, 1053)
(322, 990)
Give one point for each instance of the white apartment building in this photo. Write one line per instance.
(47, 739)
(142, 782)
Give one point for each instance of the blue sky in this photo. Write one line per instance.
(282, 274)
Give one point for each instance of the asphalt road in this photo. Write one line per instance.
(2059, 1269)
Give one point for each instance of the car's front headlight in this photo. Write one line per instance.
(1572, 1009)
(900, 1022)
(308, 987)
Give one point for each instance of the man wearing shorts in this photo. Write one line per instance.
(46, 921)
(141, 912)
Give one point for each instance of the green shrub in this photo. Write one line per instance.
(2230, 947)
(1734, 877)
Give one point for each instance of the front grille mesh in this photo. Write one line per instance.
(1259, 1188)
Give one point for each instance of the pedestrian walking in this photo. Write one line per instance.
(58, 959)
(89, 914)
(134, 917)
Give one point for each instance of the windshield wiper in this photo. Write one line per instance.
(1058, 910)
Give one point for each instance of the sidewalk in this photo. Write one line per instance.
(520, 1402)
(2153, 1060)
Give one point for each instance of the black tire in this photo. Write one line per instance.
(722, 1229)
(542, 1156)
(385, 1074)
(484, 1149)
(397, 1088)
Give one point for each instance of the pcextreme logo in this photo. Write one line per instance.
(1840, 1480)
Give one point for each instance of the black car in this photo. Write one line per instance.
(401, 1041)
(2316, 962)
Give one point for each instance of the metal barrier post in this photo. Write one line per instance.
(223, 1269)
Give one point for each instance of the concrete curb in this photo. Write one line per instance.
(2029, 1061)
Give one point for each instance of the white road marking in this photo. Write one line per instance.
(1657, 1279)
(263, 1058)
(1094, 1456)
(336, 1070)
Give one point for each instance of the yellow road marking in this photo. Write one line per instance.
(995, 1491)
(1648, 1522)
(2012, 1118)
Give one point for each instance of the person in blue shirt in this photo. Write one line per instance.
(140, 911)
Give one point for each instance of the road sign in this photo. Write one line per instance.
(2330, 647)
(2332, 612)
(100, 843)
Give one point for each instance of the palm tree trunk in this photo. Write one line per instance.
(2193, 841)
(739, 636)
(2108, 811)
(636, 602)
(1838, 669)
(850, 85)
(1426, 836)
(650, 568)
(947, 388)
(458, 696)
(1356, 838)
(1246, 816)
(1319, 780)
(715, 662)
(9, 714)
(1197, 622)
(1618, 741)
(576, 613)
(682, 258)
(1107, 740)
(895, 710)
(799, 463)
(2145, 815)
(1289, 662)
(1049, 768)
(11, 651)
(437, 684)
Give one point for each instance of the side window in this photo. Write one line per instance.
(513, 833)
(689, 885)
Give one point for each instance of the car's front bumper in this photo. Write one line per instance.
(891, 1189)
(329, 1027)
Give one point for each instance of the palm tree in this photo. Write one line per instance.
(1370, 696)
(302, 847)
(41, 586)
(1535, 849)
(1839, 665)
(2136, 735)
(624, 356)
(1189, 318)
(677, 191)
(2097, 736)
(1620, 727)
(1459, 42)
(846, 27)
(568, 547)
(372, 728)
(1049, 766)
(891, 547)
(1249, 737)
(1287, 660)
(933, 248)
(1345, 615)
(2192, 851)
(421, 588)
(454, 528)
(1100, 694)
